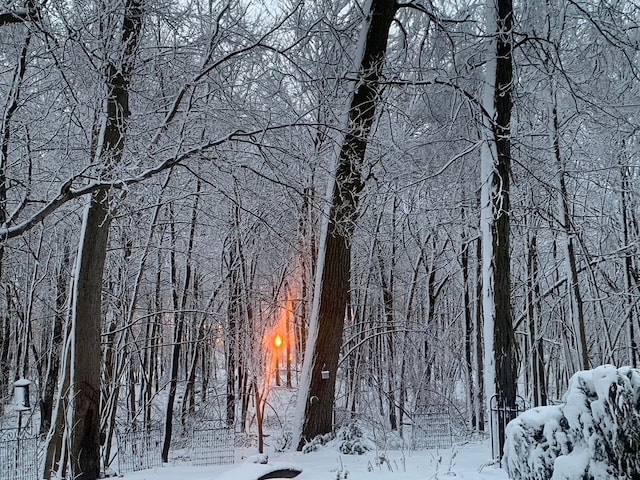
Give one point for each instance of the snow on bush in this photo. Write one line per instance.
(593, 435)
(317, 442)
(350, 439)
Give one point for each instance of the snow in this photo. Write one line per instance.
(461, 462)
(594, 434)
(569, 466)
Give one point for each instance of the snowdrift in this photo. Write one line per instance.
(595, 434)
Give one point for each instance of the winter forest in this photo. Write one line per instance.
(379, 206)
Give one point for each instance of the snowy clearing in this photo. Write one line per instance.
(460, 462)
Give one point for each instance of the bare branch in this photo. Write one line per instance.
(68, 193)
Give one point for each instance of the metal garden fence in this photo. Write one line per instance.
(213, 445)
(209, 443)
(139, 449)
(501, 415)
(19, 454)
(431, 429)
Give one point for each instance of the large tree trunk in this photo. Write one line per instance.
(500, 369)
(86, 357)
(87, 299)
(315, 400)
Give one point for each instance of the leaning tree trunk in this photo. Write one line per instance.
(85, 358)
(316, 396)
(87, 302)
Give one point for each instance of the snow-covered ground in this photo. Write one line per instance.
(460, 462)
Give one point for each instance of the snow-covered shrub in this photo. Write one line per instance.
(533, 442)
(595, 434)
(351, 440)
(317, 442)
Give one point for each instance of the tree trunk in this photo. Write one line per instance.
(188, 398)
(629, 231)
(499, 338)
(538, 382)
(55, 444)
(315, 401)
(478, 332)
(179, 317)
(53, 368)
(12, 104)
(86, 358)
(87, 299)
(576, 310)
(467, 329)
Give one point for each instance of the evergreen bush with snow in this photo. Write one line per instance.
(350, 439)
(594, 435)
(317, 442)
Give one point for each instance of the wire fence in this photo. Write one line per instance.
(431, 429)
(208, 443)
(139, 449)
(213, 446)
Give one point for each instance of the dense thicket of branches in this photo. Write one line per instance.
(242, 108)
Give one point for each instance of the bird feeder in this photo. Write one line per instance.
(21, 394)
(324, 373)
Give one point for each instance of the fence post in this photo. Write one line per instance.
(499, 416)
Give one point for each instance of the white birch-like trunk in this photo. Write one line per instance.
(53, 447)
(488, 159)
(62, 407)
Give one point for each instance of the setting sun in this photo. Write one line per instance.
(278, 341)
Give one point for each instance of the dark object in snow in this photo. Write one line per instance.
(282, 473)
(260, 471)
(594, 435)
